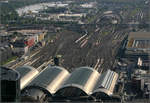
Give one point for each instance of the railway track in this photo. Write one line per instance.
(26, 62)
(93, 48)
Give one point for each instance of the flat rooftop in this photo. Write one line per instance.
(139, 40)
(139, 35)
(141, 44)
(30, 31)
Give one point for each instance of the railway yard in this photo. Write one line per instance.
(80, 49)
(98, 41)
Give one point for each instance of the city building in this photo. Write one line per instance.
(27, 39)
(141, 83)
(138, 45)
(10, 85)
(138, 48)
(5, 52)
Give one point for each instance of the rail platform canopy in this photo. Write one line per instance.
(80, 83)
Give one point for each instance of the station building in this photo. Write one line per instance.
(80, 84)
(104, 89)
(55, 83)
(27, 73)
(43, 86)
(87, 84)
